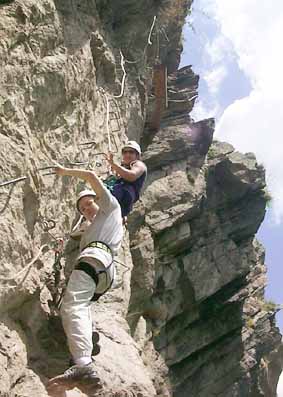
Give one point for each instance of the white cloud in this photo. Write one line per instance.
(215, 77)
(215, 70)
(254, 30)
(203, 110)
(218, 48)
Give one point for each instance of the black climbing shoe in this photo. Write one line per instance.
(77, 374)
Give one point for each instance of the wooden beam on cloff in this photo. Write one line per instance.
(160, 93)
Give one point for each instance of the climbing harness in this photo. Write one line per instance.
(99, 244)
(94, 273)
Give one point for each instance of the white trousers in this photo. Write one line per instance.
(76, 314)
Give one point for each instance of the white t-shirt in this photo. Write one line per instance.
(106, 227)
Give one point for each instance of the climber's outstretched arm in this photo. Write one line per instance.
(86, 175)
(131, 175)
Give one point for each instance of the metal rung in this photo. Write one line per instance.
(90, 143)
(22, 178)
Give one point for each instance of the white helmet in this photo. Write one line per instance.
(132, 145)
(84, 193)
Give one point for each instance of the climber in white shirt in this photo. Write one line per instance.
(93, 273)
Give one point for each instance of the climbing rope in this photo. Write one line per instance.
(26, 268)
(151, 30)
(123, 61)
(77, 224)
(123, 78)
(107, 122)
(120, 95)
(149, 43)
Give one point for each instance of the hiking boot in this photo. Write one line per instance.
(76, 374)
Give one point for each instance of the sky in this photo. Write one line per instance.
(236, 48)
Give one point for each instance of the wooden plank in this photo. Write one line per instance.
(160, 93)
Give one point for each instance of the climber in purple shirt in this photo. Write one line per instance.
(130, 176)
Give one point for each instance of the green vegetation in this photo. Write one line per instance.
(268, 198)
(212, 152)
(250, 323)
(270, 306)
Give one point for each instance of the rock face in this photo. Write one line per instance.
(206, 294)
(187, 314)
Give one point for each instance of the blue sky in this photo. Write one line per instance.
(236, 49)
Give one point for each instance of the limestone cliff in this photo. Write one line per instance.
(187, 314)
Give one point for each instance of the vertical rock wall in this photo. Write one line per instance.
(61, 68)
(202, 294)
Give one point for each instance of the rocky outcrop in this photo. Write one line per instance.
(204, 299)
(187, 312)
